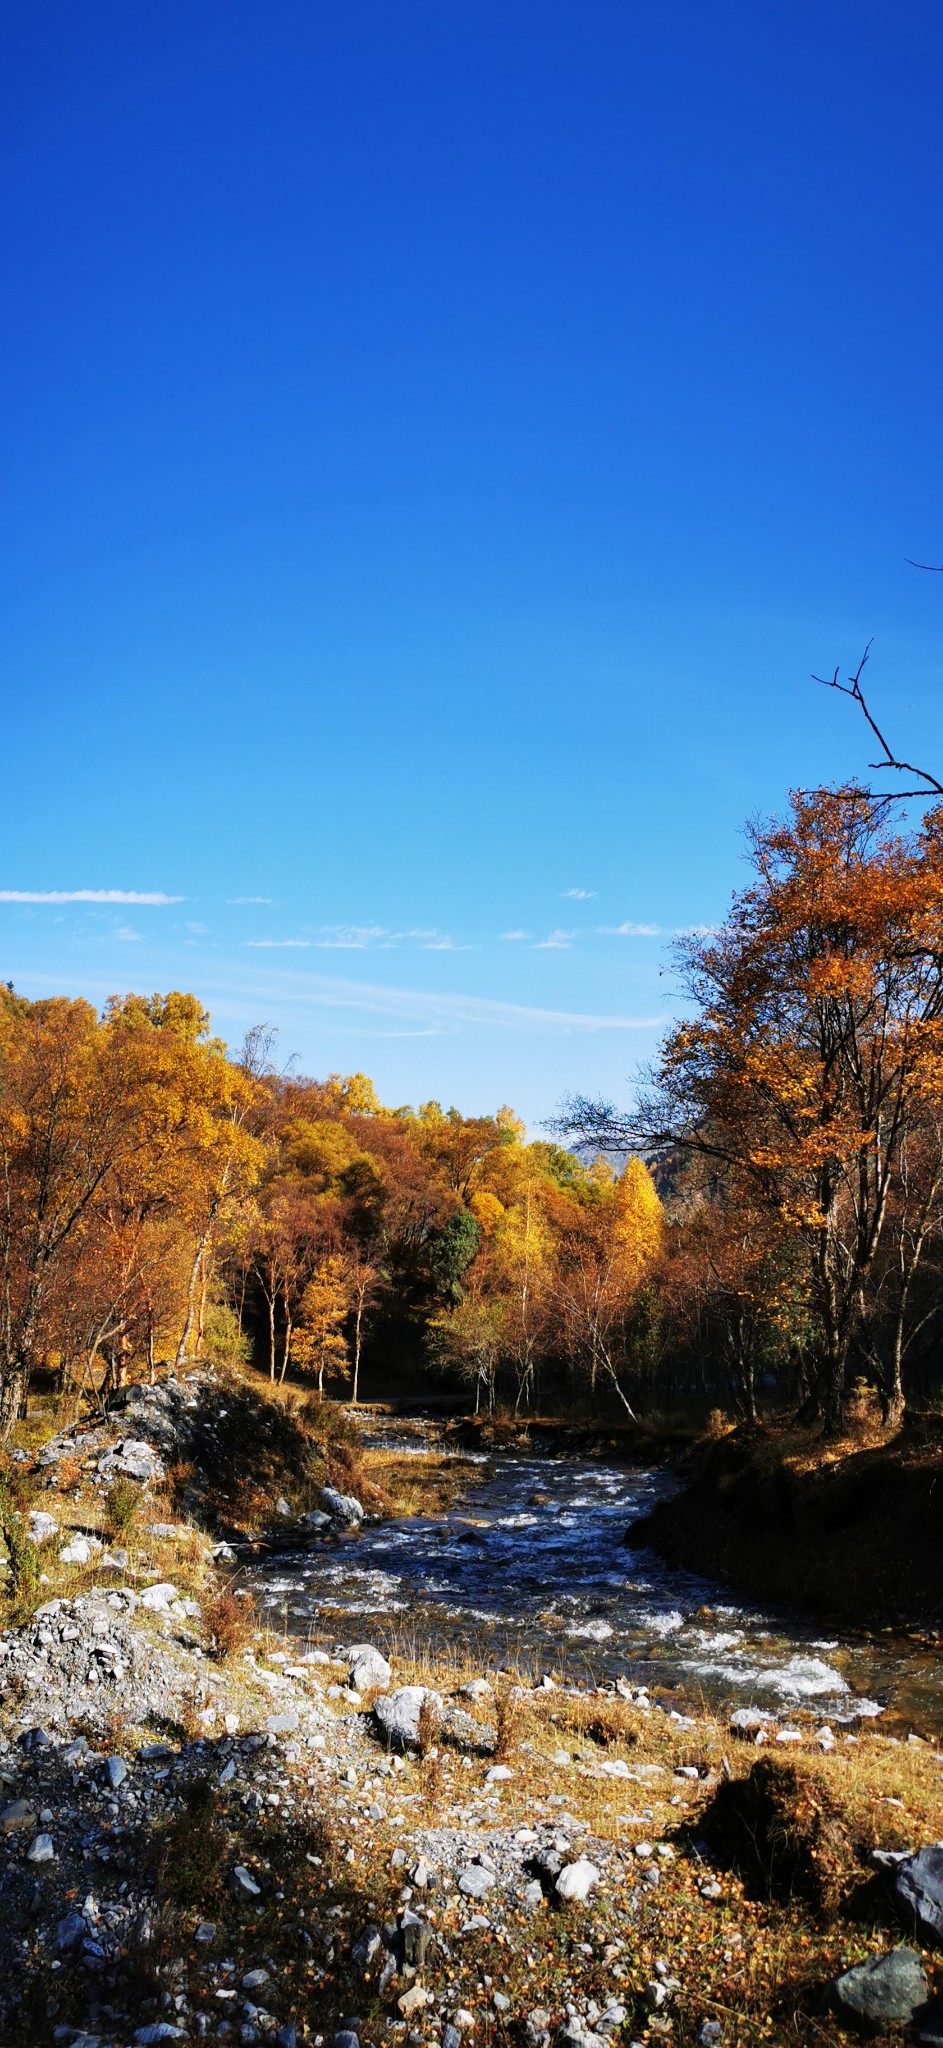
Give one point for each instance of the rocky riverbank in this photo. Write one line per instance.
(851, 1529)
(213, 1832)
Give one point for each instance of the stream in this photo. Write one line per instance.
(532, 1572)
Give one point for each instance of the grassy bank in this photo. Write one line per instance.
(851, 1529)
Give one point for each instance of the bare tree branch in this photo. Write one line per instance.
(928, 785)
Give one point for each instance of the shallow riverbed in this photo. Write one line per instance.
(534, 1572)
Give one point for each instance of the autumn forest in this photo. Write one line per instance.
(764, 1225)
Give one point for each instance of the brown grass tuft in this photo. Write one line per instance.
(784, 1830)
(229, 1624)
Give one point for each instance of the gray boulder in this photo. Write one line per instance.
(366, 1948)
(881, 1992)
(316, 1519)
(397, 1715)
(342, 1507)
(367, 1667)
(282, 1724)
(19, 1814)
(70, 1930)
(918, 1885)
(476, 1881)
(748, 1721)
(476, 1738)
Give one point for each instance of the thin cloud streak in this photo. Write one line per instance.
(633, 931)
(443, 1010)
(357, 938)
(580, 895)
(139, 896)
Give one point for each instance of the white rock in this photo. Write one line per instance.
(41, 1850)
(398, 1713)
(576, 1880)
(343, 1507)
(159, 1599)
(367, 1667)
(79, 1550)
(41, 1526)
(498, 1774)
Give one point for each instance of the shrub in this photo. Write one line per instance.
(783, 1831)
(23, 1560)
(224, 1342)
(230, 1624)
(122, 1502)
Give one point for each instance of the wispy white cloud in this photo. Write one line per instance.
(580, 895)
(250, 899)
(437, 1011)
(356, 938)
(555, 942)
(86, 896)
(632, 931)
(515, 935)
(199, 930)
(347, 938)
(124, 931)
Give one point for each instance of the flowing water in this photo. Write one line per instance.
(536, 1571)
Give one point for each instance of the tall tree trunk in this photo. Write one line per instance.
(358, 1327)
(193, 1297)
(289, 1326)
(201, 1312)
(13, 1390)
(892, 1390)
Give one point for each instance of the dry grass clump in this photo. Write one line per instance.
(23, 1560)
(785, 1830)
(229, 1625)
(603, 1718)
(122, 1507)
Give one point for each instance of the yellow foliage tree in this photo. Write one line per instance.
(318, 1342)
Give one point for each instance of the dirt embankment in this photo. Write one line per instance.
(854, 1529)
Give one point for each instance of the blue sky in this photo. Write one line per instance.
(439, 443)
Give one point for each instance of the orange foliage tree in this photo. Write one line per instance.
(814, 1047)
